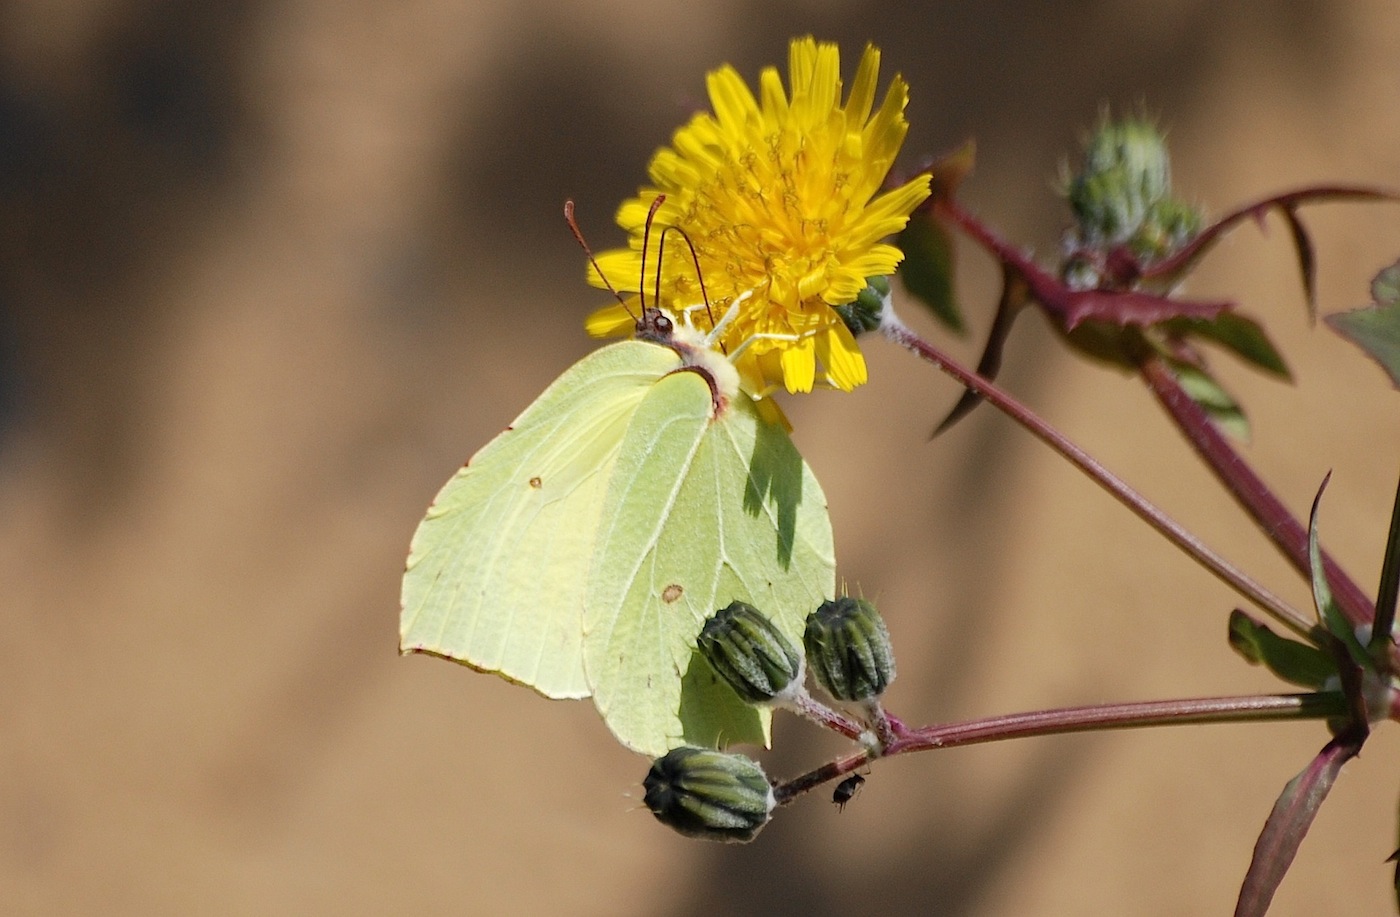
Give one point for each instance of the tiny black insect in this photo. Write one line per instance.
(845, 790)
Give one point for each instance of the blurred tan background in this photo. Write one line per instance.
(270, 271)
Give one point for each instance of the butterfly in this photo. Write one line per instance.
(580, 551)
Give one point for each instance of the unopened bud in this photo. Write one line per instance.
(708, 794)
(1126, 171)
(849, 649)
(751, 654)
(868, 310)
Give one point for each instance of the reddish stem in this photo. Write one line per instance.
(1124, 716)
(1081, 719)
(1249, 491)
(1192, 546)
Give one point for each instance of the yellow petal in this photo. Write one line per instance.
(863, 89)
(733, 102)
(799, 366)
(610, 321)
(840, 354)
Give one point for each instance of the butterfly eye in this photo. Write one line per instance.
(655, 325)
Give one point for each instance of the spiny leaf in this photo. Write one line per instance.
(1014, 297)
(1289, 822)
(1307, 259)
(1173, 268)
(1127, 307)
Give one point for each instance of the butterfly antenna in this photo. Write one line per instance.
(646, 243)
(578, 237)
(699, 274)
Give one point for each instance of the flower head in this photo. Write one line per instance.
(778, 196)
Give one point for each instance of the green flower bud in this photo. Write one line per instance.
(752, 655)
(708, 794)
(1126, 171)
(849, 649)
(1169, 225)
(868, 310)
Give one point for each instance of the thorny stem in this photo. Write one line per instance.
(1252, 494)
(1237, 579)
(1081, 719)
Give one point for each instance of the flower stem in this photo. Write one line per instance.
(1192, 546)
(1126, 716)
(1083, 719)
(1252, 494)
(805, 705)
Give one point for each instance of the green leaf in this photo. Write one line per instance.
(1223, 409)
(1376, 329)
(927, 268)
(1385, 286)
(1331, 614)
(1296, 663)
(1242, 336)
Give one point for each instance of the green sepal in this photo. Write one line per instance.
(1297, 663)
(868, 309)
(1388, 592)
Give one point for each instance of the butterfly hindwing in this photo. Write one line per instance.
(700, 512)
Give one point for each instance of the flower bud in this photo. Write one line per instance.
(751, 654)
(868, 310)
(707, 794)
(1170, 224)
(849, 649)
(1126, 171)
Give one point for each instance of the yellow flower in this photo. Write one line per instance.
(778, 197)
